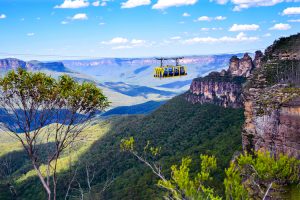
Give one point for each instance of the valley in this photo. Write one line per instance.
(227, 110)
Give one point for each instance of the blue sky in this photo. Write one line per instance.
(56, 29)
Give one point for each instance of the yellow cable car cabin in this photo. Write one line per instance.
(170, 71)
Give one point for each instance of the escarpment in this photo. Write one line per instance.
(272, 101)
(217, 88)
(272, 121)
(223, 88)
(268, 88)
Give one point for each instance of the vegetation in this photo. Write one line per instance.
(144, 108)
(181, 185)
(180, 128)
(35, 100)
(289, 44)
(226, 77)
(255, 176)
(250, 176)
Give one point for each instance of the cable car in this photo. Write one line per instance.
(170, 71)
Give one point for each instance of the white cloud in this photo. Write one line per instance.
(220, 18)
(244, 4)
(241, 37)
(281, 27)
(294, 20)
(80, 16)
(116, 40)
(244, 27)
(186, 14)
(136, 42)
(73, 4)
(204, 18)
(267, 35)
(104, 3)
(2, 16)
(291, 11)
(102, 23)
(222, 2)
(175, 38)
(135, 3)
(162, 4)
(30, 34)
(122, 47)
(96, 3)
(124, 43)
(205, 29)
(64, 22)
(213, 29)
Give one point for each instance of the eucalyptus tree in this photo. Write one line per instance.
(46, 116)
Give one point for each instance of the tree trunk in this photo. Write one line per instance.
(46, 187)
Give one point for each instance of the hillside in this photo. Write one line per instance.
(144, 108)
(179, 127)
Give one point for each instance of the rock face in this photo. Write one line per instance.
(241, 67)
(217, 89)
(258, 59)
(277, 131)
(13, 64)
(276, 127)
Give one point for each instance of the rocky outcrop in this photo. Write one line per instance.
(258, 59)
(241, 67)
(217, 88)
(277, 129)
(272, 107)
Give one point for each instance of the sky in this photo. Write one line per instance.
(87, 29)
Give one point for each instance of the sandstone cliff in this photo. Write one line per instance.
(217, 88)
(268, 88)
(241, 67)
(274, 127)
(272, 102)
(224, 88)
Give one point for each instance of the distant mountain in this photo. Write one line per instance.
(136, 90)
(13, 64)
(126, 81)
(176, 84)
(144, 108)
(139, 71)
(51, 66)
(10, 64)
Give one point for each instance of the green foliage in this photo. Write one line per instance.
(249, 175)
(183, 186)
(289, 44)
(216, 77)
(234, 188)
(179, 129)
(127, 144)
(41, 89)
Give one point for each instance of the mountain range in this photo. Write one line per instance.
(125, 81)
